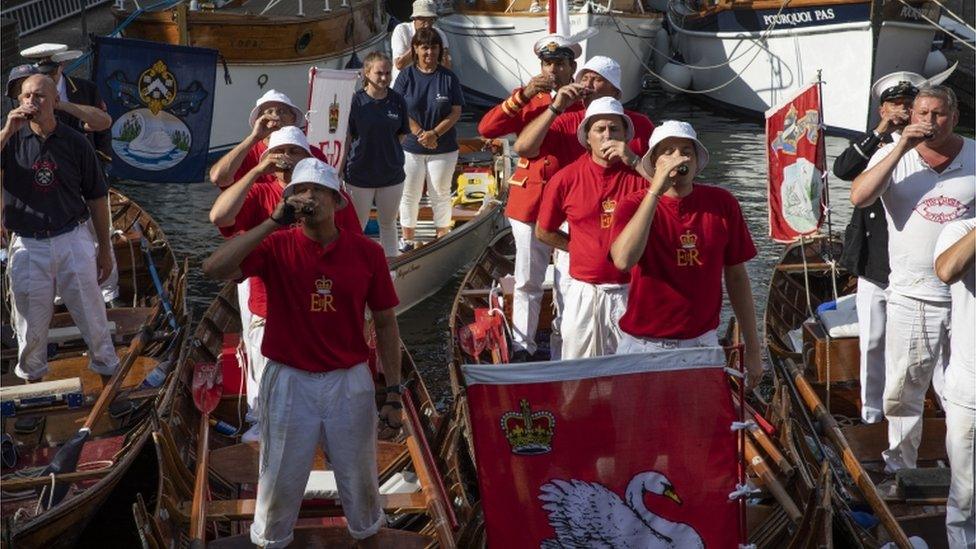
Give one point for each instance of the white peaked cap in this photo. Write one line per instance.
(289, 135)
(549, 45)
(605, 67)
(42, 51)
(604, 105)
(276, 97)
(313, 170)
(676, 128)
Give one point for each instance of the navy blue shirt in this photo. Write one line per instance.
(430, 98)
(375, 126)
(47, 182)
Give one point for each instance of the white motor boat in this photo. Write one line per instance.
(492, 41)
(753, 55)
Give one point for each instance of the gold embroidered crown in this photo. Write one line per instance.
(529, 433)
(689, 240)
(323, 285)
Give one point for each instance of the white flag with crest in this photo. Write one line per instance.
(330, 98)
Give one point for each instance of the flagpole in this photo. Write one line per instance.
(824, 179)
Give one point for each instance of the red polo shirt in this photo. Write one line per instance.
(561, 138)
(676, 286)
(586, 194)
(317, 296)
(261, 200)
(525, 186)
(253, 158)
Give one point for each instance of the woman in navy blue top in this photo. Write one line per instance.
(434, 101)
(374, 169)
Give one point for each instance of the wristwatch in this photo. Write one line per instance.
(397, 389)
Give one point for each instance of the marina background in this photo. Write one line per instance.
(737, 163)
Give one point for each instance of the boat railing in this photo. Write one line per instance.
(35, 15)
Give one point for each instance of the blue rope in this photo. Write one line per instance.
(118, 30)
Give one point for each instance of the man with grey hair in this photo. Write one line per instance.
(924, 180)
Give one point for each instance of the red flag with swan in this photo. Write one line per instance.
(618, 451)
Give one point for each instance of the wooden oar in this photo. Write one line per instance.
(833, 431)
(66, 460)
(207, 387)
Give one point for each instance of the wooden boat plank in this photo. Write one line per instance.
(243, 509)
(238, 463)
(869, 440)
(331, 536)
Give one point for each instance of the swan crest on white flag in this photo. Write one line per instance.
(330, 98)
(617, 451)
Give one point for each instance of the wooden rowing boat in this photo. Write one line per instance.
(785, 509)
(421, 272)
(420, 491)
(38, 432)
(817, 405)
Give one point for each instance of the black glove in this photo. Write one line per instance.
(285, 214)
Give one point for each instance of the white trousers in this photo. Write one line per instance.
(531, 261)
(591, 319)
(631, 345)
(109, 288)
(66, 263)
(252, 333)
(300, 411)
(916, 349)
(438, 170)
(560, 283)
(387, 200)
(960, 432)
(871, 305)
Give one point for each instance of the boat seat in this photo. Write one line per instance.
(869, 440)
(331, 536)
(73, 333)
(243, 509)
(238, 464)
(844, 355)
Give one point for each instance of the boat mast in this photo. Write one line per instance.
(559, 17)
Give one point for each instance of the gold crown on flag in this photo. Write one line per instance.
(529, 433)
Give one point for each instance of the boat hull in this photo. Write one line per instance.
(493, 52)
(753, 70)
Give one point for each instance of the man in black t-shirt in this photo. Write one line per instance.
(51, 185)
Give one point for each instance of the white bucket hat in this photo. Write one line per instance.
(313, 170)
(277, 97)
(604, 105)
(423, 8)
(605, 67)
(289, 135)
(675, 128)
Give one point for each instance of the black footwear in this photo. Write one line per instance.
(520, 355)
(407, 245)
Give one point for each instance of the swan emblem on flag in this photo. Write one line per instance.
(587, 514)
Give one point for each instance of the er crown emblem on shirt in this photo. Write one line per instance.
(606, 219)
(688, 252)
(529, 433)
(322, 296)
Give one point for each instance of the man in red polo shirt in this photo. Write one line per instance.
(555, 129)
(243, 206)
(317, 387)
(558, 58)
(678, 239)
(585, 194)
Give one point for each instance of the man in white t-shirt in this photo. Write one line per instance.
(423, 16)
(925, 180)
(955, 256)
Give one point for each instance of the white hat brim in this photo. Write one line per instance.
(255, 112)
(581, 130)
